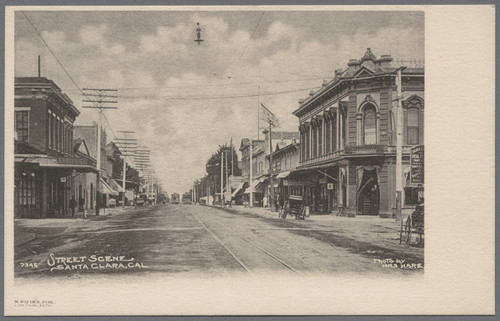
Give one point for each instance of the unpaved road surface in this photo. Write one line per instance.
(207, 240)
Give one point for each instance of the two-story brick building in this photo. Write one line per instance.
(43, 149)
(348, 137)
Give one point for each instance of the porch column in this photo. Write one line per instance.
(310, 141)
(341, 133)
(377, 126)
(337, 121)
(323, 139)
(332, 144)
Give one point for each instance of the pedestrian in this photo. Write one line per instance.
(81, 202)
(281, 202)
(72, 205)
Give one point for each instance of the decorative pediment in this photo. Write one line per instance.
(363, 72)
(413, 101)
(368, 54)
(368, 99)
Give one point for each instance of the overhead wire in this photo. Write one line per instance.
(166, 98)
(64, 68)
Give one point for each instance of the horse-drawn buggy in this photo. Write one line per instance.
(293, 206)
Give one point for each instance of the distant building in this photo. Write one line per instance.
(258, 169)
(285, 160)
(278, 140)
(86, 183)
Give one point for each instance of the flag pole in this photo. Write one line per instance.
(271, 165)
(258, 113)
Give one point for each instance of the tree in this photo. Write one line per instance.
(213, 165)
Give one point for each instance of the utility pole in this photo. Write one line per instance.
(271, 201)
(232, 157)
(228, 186)
(273, 122)
(251, 170)
(221, 176)
(101, 103)
(258, 113)
(126, 150)
(399, 145)
(155, 186)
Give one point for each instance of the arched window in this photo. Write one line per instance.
(412, 129)
(369, 125)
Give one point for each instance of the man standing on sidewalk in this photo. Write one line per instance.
(72, 205)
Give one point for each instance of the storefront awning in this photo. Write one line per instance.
(113, 184)
(256, 187)
(283, 174)
(238, 189)
(106, 189)
(130, 195)
(44, 161)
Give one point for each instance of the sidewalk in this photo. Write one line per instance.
(26, 230)
(379, 232)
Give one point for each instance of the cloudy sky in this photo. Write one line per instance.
(181, 99)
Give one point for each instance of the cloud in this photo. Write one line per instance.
(93, 35)
(183, 100)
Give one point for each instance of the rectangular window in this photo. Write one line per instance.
(70, 141)
(22, 125)
(411, 195)
(50, 129)
(61, 138)
(53, 126)
(412, 138)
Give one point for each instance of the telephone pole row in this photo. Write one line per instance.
(101, 102)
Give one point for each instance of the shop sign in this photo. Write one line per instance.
(63, 179)
(285, 183)
(417, 165)
(329, 186)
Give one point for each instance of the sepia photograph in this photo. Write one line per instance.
(217, 144)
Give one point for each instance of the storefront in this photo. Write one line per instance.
(45, 185)
(317, 186)
(257, 188)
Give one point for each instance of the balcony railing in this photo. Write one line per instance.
(321, 158)
(365, 149)
(356, 150)
(392, 149)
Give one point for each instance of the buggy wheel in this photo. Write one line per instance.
(408, 228)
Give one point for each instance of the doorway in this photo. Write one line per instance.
(369, 195)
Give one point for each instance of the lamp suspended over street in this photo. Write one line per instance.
(198, 34)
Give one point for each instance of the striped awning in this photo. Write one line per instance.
(238, 189)
(283, 174)
(256, 187)
(106, 189)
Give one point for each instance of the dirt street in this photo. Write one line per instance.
(200, 239)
